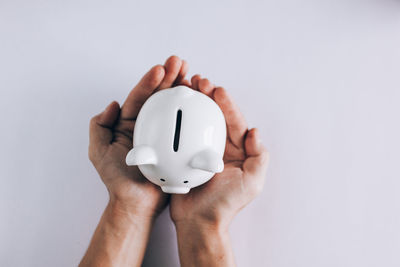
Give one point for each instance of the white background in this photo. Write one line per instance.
(321, 79)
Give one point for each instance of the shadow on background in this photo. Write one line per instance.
(162, 249)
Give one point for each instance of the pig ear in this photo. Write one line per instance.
(207, 160)
(141, 155)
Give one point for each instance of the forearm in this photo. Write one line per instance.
(120, 239)
(204, 245)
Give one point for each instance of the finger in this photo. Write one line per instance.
(257, 155)
(182, 73)
(186, 83)
(136, 98)
(206, 87)
(100, 132)
(237, 126)
(172, 67)
(252, 143)
(195, 81)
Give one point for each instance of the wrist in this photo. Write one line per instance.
(201, 226)
(202, 234)
(120, 238)
(204, 243)
(218, 221)
(120, 210)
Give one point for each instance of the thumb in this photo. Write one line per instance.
(100, 132)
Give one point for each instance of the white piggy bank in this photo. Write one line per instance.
(179, 139)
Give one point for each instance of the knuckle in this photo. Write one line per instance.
(264, 155)
(91, 154)
(94, 156)
(256, 189)
(257, 185)
(93, 121)
(155, 76)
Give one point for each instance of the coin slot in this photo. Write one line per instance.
(177, 130)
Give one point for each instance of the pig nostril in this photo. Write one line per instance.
(163, 180)
(185, 182)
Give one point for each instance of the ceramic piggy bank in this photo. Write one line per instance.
(179, 139)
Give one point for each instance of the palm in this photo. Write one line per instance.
(111, 139)
(127, 181)
(227, 188)
(220, 189)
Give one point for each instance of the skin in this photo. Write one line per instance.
(123, 231)
(202, 216)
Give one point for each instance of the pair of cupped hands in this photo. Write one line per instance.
(214, 203)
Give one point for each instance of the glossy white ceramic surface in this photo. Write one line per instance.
(179, 139)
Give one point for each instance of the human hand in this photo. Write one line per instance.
(111, 138)
(216, 202)
(122, 234)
